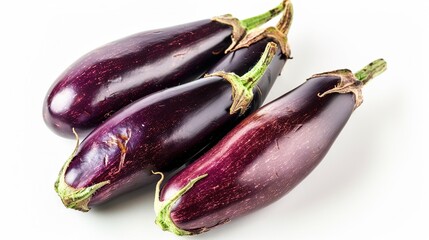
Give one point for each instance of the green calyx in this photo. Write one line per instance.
(353, 83)
(238, 31)
(286, 20)
(240, 28)
(163, 209)
(71, 197)
(277, 34)
(242, 86)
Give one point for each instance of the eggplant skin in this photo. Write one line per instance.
(111, 77)
(261, 159)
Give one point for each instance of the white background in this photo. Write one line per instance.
(373, 184)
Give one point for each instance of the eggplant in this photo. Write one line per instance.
(108, 78)
(265, 156)
(166, 129)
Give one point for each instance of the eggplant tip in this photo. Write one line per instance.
(164, 221)
(163, 209)
(75, 198)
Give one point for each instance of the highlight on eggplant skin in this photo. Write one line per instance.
(265, 156)
(108, 78)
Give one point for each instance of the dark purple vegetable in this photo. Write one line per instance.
(111, 77)
(265, 156)
(164, 130)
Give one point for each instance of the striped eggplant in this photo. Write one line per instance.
(265, 156)
(112, 76)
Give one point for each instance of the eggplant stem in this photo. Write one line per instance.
(242, 87)
(157, 203)
(163, 209)
(256, 21)
(240, 28)
(353, 83)
(75, 198)
(371, 71)
(286, 20)
(277, 34)
(251, 78)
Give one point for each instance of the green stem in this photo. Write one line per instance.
(277, 34)
(242, 87)
(353, 83)
(371, 71)
(286, 20)
(256, 21)
(157, 204)
(251, 78)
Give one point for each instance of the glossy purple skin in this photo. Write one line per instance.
(261, 159)
(161, 132)
(111, 77)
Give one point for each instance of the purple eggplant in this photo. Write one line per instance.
(265, 156)
(111, 77)
(166, 129)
